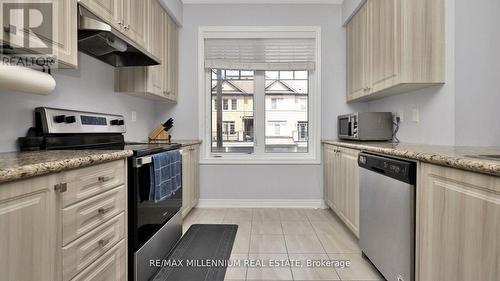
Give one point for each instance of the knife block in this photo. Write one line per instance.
(159, 135)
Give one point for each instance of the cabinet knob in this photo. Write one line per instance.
(103, 211)
(103, 242)
(104, 179)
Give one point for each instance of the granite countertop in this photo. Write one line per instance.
(185, 143)
(22, 165)
(450, 156)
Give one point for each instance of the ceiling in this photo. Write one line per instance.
(262, 1)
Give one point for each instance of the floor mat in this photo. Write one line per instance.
(202, 254)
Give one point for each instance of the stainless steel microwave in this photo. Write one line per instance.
(366, 126)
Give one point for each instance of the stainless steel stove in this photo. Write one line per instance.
(153, 227)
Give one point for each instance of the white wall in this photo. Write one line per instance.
(349, 7)
(477, 72)
(90, 88)
(174, 9)
(252, 181)
(436, 104)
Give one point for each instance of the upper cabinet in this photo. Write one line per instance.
(393, 47)
(55, 37)
(127, 16)
(160, 81)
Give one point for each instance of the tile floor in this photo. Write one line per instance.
(289, 235)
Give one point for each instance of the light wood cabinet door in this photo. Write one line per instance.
(358, 54)
(136, 21)
(60, 39)
(28, 229)
(90, 181)
(171, 57)
(394, 47)
(459, 225)
(110, 267)
(350, 188)
(111, 11)
(328, 159)
(85, 216)
(65, 41)
(384, 30)
(85, 250)
(190, 178)
(186, 181)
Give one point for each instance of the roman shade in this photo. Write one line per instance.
(260, 54)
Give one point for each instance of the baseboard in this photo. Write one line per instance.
(262, 203)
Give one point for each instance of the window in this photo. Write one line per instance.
(283, 89)
(265, 89)
(302, 131)
(232, 130)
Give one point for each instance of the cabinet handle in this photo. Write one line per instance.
(120, 22)
(103, 211)
(104, 179)
(61, 187)
(103, 242)
(126, 27)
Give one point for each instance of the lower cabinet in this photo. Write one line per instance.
(28, 229)
(190, 178)
(45, 237)
(342, 184)
(458, 225)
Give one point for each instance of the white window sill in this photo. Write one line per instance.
(247, 161)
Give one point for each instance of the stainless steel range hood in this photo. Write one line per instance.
(100, 40)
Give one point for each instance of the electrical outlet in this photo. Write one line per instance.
(134, 116)
(415, 115)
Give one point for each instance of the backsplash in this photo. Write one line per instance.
(89, 88)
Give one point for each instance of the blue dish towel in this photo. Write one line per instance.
(165, 175)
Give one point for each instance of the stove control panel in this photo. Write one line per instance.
(64, 121)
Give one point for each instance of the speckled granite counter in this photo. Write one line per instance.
(450, 156)
(185, 143)
(22, 165)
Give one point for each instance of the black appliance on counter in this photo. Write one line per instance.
(153, 227)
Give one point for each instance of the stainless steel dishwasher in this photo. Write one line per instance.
(387, 214)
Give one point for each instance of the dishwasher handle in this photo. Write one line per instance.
(405, 171)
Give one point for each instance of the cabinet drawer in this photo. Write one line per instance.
(111, 266)
(84, 216)
(90, 181)
(84, 251)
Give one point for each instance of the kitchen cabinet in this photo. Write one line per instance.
(342, 184)
(154, 82)
(62, 40)
(127, 16)
(28, 227)
(395, 47)
(190, 178)
(458, 225)
(358, 47)
(65, 226)
(110, 11)
(171, 59)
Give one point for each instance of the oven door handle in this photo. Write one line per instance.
(140, 161)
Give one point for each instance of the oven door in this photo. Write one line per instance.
(146, 216)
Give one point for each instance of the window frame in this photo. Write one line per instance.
(313, 156)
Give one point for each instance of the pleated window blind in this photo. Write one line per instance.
(260, 54)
